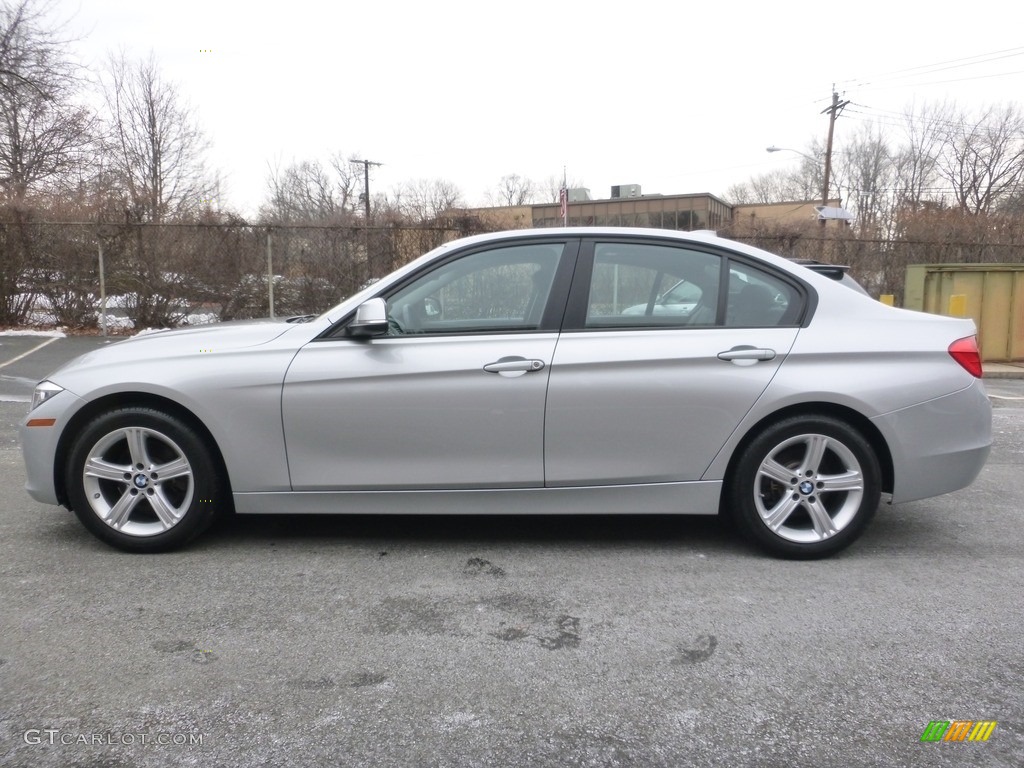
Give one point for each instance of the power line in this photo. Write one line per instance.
(946, 82)
(981, 58)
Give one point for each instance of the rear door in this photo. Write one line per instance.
(651, 396)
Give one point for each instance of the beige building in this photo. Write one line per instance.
(794, 212)
(680, 212)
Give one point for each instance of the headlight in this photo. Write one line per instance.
(44, 391)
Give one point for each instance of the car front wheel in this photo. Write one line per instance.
(805, 487)
(142, 480)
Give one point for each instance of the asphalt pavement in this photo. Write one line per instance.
(514, 641)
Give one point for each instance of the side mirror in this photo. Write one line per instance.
(371, 319)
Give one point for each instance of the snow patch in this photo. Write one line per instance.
(51, 334)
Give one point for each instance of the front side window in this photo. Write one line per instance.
(637, 285)
(497, 290)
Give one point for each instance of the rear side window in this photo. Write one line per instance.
(640, 285)
(757, 299)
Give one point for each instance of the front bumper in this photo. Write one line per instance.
(39, 444)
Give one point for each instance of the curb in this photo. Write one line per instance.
(1003, 372)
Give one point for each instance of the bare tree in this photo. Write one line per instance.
(426, 200)
(779, 186)
(983, 159)
(308, 192)
(155, 146)
(43, 132)
(802, 182)
(512, 190)
(740, 193)
(866, 165)
(773, 187)
(915, 161)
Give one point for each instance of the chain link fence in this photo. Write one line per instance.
(148, 275)
(881, 265)
(168, 275)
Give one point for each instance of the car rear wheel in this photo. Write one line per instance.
(143, 480)
(805, 487)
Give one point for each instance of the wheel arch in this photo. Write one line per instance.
(848, 415)
(129, 400)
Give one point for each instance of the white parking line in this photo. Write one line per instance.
(36, 348)
(1004, 397)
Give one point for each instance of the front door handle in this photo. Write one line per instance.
(514, 365)
(746, 355)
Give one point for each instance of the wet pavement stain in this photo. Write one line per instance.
(477, 566)
(410, 616)
(173, 646)
(196, 654)
(568, 634)
(320, 684)
(511, 633)
(367, 679)
(700, 650)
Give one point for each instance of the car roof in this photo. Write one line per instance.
(703, 236)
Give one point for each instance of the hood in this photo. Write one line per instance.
(234, 334)
(179, 344)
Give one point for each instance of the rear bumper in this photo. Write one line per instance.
(938, 446)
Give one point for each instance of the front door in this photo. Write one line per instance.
(452, 397)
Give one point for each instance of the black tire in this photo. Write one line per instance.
(152, 484)
(805, 487)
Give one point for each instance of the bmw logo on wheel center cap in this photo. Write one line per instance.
(806, 487)
(141, 481)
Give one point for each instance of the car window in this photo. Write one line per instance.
(681, 293)
(652, 285)
(502, 289)
(758, 299)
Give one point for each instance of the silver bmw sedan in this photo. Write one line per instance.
(536, 371)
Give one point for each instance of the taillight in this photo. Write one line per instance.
(965, 351)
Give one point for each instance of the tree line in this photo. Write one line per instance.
(123, 144)
(934, 157)
(120, 148)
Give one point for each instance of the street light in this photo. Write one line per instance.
(773, 148)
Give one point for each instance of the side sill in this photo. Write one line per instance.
(696, 498)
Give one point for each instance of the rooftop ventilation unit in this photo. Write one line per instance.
(625, 190)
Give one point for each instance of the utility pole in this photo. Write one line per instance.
(366, 222)
(366, 184)
(833, 111)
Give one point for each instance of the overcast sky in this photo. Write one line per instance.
(678, 96)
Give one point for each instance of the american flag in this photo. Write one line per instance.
(563, 198)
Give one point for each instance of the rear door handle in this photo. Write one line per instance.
(514, 365)
(746, 354)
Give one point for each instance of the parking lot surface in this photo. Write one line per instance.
(476, 641)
